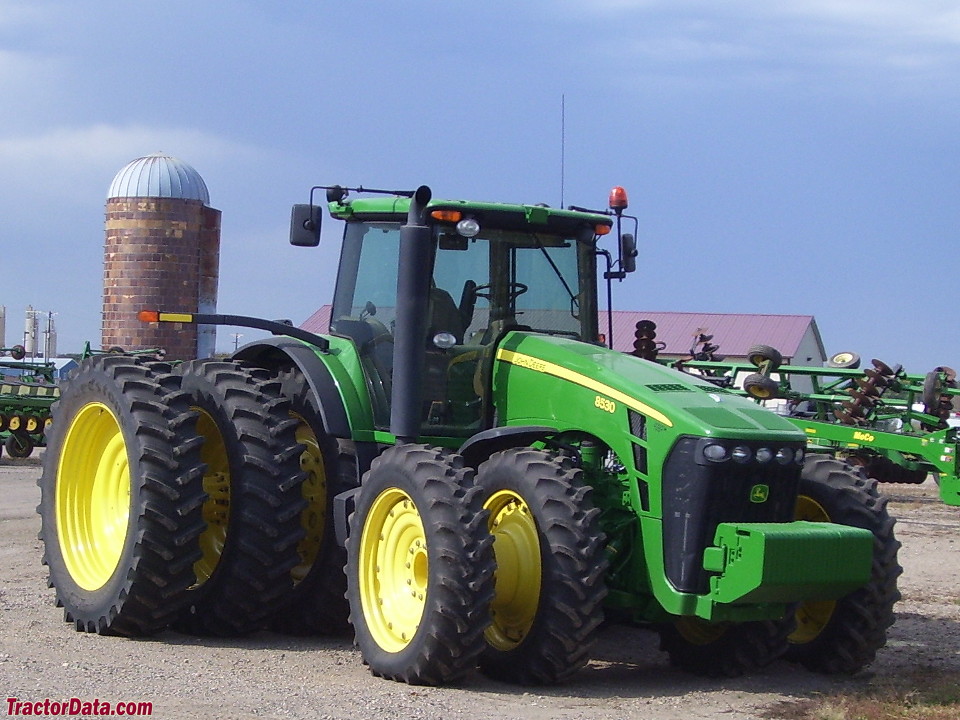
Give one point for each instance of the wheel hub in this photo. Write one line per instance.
(394, 570)
(93, 496)
(216, 509)
(516, 546)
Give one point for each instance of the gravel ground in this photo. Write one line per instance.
(273, 676)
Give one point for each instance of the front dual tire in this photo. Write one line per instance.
(428, 601)
(419, 566)
(548, 598)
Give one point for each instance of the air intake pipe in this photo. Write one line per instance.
(410, 333)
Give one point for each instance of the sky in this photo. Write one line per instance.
(784, 158)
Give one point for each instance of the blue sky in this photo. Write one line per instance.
(795, 158)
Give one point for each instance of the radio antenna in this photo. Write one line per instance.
(563, 142)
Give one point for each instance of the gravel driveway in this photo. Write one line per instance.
(273, 676)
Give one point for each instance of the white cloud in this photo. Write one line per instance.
(75, 163)
(26, 72)
(907, 39)
(894, 19)
(14, 13)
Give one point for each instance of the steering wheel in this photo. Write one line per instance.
(516, 290)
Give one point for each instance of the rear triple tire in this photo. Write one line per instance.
(120, 497)
(317, 604)
(549, 589)
(419, 566)
(843, 636)
(253, 481)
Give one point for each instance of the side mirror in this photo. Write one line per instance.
(305, 226)
(628, 253)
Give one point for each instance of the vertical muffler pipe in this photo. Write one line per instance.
(410, 332)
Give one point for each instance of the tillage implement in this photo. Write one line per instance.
(898, 427)
(460, 470)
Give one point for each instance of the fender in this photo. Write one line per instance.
(271, 352)
(485, 443)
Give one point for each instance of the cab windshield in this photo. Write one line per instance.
(506, 277)
(481, 287)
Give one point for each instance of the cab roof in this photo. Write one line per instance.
(501, 215)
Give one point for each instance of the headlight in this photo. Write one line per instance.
(468, 227)
(741, 454)
(785, 455)
(716, 453)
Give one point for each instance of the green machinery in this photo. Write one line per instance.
(495, 481)
(894, 425)
(25, 400)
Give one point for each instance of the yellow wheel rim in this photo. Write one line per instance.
(216, 509)
(394, 570)
(314, 489)
(92, 496)
(812, 616)
(15, 422)
(699, 632)
(516, 546)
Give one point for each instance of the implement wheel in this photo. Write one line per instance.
(253, 481)
(419, 566)
(550, 556)
(18, 445)
(844, 359)
(120, 497)
(761, 387)
(317, 604)
(760, 354)
(723, 649)
(843, 636)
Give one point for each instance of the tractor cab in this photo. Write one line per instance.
(483, 270)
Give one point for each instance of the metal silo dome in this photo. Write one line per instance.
(159, 175)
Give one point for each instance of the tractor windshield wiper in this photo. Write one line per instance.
(574, 303)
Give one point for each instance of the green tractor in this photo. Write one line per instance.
(493, 479)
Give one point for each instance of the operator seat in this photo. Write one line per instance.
(444, 315)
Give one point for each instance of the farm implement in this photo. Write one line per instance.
(896, 426)
(25, 401)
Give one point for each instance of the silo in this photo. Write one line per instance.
(161, 252)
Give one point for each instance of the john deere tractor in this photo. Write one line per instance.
(464, 458)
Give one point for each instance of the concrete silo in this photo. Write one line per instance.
(161, 252)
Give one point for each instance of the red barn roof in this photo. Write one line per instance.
(735, 334)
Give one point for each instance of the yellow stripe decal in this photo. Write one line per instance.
(538, 365)
(176, 317)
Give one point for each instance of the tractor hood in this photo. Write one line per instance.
(558, 380)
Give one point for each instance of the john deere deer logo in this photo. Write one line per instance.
(759, 493)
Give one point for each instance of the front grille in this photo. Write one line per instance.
(669, 387)
(699, 494)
